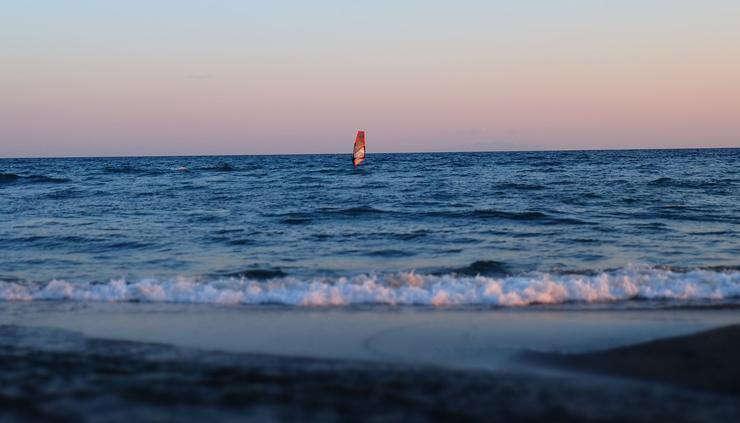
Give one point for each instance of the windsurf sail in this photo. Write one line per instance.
(358, 155)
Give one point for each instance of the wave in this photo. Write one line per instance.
(664, 180)
(131, 170)
(525, 216)
(520, 186)
(299, 218)
(296, 220)
(390, 253)
(123, 169)
(8, 177)
(483, 267)
(292, 218)
(222, 167)
(352, 211)
(496, 214)
(260, 274)
(33, 179)
(477, 214)
(692, 183)
(662, 287)
(407, 236)
(65, 193)
(41, 179)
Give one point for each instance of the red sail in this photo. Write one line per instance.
(358, 155)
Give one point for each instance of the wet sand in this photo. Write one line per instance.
(707, 361)
(453, 338)
(124, 362)
(55, 375)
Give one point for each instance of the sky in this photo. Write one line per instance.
(101, 78)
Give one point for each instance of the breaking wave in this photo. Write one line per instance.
(661, 287)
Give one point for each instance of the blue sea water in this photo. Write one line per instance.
(509, 228)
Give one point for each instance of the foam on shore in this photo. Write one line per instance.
(610, 288)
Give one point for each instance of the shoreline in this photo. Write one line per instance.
(464, 339)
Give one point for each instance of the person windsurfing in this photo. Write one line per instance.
(358, 154)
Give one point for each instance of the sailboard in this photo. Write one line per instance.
(358, 154)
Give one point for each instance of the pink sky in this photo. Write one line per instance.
(291, 78)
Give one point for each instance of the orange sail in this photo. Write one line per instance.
(358, 155)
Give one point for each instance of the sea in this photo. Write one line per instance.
(576, 229)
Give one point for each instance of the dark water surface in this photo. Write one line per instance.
(446, 228)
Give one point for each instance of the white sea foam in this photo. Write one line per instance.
(615, 287)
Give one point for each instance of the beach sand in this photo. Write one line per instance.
(98, 362)
(707, 361)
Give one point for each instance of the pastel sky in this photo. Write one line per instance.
(135, 77)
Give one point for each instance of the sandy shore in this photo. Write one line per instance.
(707, 361)
(123, 362)
(56, 375)
(462, 339)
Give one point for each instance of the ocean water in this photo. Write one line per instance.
(606, 228)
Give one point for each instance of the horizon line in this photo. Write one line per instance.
(377, 152)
